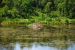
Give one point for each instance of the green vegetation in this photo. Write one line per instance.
(27, 12)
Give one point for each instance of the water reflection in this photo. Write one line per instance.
(26, 39)
(71, 48)
(17, 47)
(34, 46)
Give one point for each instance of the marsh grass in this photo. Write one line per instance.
(54, 22)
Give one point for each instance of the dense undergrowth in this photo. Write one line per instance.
(26, 12)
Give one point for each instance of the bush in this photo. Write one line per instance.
(72, 21)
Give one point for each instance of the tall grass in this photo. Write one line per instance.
(15, 22)
(47, 21)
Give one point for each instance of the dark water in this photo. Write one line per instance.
(21, 38)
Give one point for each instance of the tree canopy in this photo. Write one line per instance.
(27, 8)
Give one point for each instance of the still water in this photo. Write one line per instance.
(20, 38)
(36, 46)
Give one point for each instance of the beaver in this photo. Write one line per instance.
(37, 26)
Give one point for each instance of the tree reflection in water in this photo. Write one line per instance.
(47, 39)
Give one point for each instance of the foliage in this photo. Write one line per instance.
(15, 22)
(49, 12)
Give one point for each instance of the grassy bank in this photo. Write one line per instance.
(54, 22)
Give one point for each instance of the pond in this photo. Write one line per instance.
(21, 38)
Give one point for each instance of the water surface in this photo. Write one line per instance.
(21, 38)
